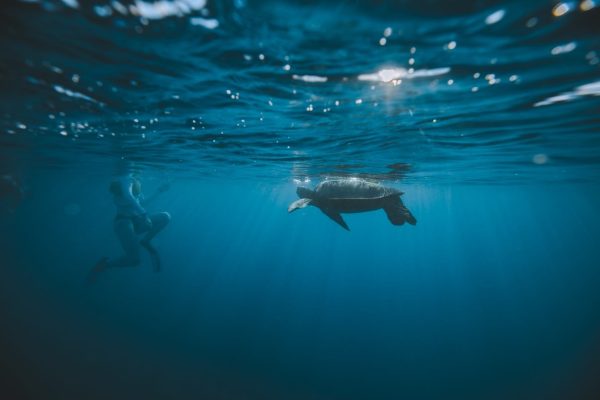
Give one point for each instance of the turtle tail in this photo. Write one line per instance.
(305, 193)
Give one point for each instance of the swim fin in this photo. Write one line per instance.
(100, 266)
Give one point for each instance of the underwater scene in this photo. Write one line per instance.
(303, 200)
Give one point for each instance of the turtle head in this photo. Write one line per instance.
(306, 198)
(305, 193)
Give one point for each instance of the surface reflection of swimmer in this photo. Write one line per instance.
(132, 220)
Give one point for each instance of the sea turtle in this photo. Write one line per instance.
(353, 195)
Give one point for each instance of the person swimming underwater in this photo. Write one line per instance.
(133, 220)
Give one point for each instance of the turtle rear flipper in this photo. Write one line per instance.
(398, 214)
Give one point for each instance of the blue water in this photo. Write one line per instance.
(484, 113)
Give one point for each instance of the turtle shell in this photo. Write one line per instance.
(353, 189)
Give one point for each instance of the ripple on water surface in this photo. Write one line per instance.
(292, 90)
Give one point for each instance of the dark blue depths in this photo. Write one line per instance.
(492, 295)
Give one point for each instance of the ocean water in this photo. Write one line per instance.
(485, 113)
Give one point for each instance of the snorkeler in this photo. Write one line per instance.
(132, 220)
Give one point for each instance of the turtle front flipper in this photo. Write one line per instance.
(336, 216)
(398, 214)
(299, 204)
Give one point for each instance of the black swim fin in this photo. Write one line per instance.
(100, 266)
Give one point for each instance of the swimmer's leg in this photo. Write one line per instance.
(159, 221)
(131, 257)
(127, 237)
(154, 256)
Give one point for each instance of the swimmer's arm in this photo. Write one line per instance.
(130, 198)
(161, 189)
